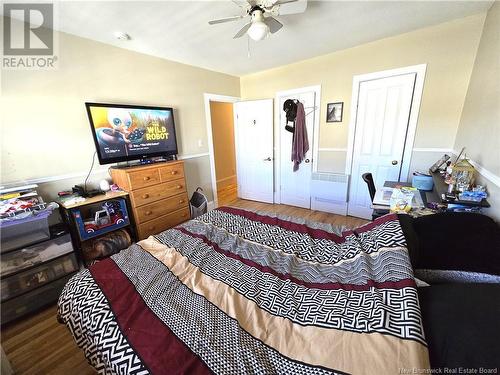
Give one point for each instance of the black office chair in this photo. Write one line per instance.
(368, 178)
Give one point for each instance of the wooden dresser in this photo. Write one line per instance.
(157, 194)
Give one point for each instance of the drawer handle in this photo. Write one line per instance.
(147, 213)
(181, 201)
(146, 178)
(151, 228)
(145, 196)
(179, 186)
(173, 172)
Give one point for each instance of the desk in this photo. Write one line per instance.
(393, 184)
(427, 196)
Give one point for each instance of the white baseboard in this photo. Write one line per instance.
(431, 149)
(211, 206)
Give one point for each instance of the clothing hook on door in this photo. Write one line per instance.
(313, 109)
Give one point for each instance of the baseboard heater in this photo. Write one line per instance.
(329, 192)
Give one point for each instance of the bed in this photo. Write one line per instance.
(235, 292)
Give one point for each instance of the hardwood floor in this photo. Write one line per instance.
(324, 217)
(40, 345)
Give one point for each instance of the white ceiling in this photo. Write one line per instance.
(178, 30)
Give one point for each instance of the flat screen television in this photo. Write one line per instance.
(130, 132)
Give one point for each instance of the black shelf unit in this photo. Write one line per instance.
(65, 211)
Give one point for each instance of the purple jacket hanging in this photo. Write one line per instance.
(300, 143)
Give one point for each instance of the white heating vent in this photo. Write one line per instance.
(329, 192)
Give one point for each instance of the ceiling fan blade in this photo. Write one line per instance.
(227, 19)
(242, 31)
(273, 23)
(241, 3)
(281, 2)
(285, 7)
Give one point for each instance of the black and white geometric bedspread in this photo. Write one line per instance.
(236, 292)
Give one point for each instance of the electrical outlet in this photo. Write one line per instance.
(200, 143)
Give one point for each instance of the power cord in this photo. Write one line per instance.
(90, 171)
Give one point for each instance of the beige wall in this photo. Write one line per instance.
(479, 129)
(45, 130)
(223, 141)
(448, 50)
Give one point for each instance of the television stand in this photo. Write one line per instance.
(158, 195)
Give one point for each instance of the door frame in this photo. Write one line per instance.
(277, 134)
(207, 98)
(419, 70)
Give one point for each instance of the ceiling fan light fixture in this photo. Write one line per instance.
(258, 30)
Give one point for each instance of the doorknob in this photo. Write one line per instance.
(306, 161)
(268, 159)
(394, 162)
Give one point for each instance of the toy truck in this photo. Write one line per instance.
(109, 215)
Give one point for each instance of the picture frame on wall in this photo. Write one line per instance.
(334, 112)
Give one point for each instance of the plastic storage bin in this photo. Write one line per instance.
(422, 182)
(33, 300)
(32, 255)
(22, 232)
(37, 276)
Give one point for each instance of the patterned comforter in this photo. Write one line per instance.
(236, 292)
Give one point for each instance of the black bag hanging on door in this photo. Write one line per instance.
(290, 108)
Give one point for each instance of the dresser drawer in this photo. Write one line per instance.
(143, 178)
(171, 172)
(25, 281)
(162, 207)
(162, 223)
(157, 192)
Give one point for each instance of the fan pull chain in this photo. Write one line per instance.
(249, 55)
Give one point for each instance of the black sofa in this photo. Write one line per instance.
(461, 320)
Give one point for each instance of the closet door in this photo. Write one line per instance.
(382, 118)
(254, 149)
(296, 186)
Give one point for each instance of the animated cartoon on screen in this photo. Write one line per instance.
(115, 128)
(122, 132)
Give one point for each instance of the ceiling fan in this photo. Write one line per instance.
(262, 21)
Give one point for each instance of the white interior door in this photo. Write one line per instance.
(382, 118)
(296, 186)
(254, 149)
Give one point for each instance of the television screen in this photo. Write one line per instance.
(126, 132)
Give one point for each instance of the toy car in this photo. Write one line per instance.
(110, 215)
